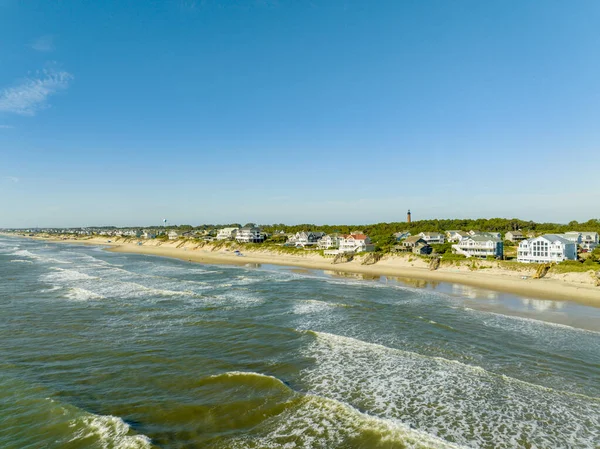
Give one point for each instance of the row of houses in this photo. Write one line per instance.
(542, 249)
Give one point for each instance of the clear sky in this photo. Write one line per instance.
(126, 112)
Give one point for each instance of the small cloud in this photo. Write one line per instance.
(6, 127)
(31, 95)
(12, 179)
(44, 43)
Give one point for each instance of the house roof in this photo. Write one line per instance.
(554, 238)
(413, 239)
(482, 238)
(432, 234)
(515, 233)
(358, 236)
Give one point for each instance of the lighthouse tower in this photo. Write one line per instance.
(408, 216)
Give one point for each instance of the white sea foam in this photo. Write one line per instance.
(21, 261)
(107, 431)
(41, 258)
(81, 294)
(523, 324)
(65, 275)
(310, 306)
(454, 401)
(313, 422)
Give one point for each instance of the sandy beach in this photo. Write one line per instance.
(575, 286)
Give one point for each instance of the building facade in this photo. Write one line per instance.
(514, 236)
(479, 246)
(546, 248)
(355, 243)
(250, 235)
(433, 237)
(226, 233)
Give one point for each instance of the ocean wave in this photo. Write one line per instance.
(297, 420)
(457, 402)
(106, 432)
(29, 254)
(20, 261)
(81, 294)
(66, 275)
(33, 419)
(525, 324)
(309, 306)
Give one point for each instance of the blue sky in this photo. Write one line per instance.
(126, 112)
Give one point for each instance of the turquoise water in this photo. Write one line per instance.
(107, 350)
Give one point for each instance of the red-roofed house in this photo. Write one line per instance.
(355, 243)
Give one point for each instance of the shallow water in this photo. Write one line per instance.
(107, 350)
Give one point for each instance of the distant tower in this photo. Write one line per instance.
(408, 216)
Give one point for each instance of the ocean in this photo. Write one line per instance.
(109, 350)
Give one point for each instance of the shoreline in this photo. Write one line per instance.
(578, 287)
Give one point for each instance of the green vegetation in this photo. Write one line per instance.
(442, 248)
(482, 224)
(569, 266)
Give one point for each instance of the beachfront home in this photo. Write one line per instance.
(173, 235)
(433, 237)
(590, 240)
(422, 249)
(586, 240)
(410, 243)
(329, 242)
(490, 234)
(305, 238)
(456, 236)
(479, 246)
(226, 233)
(355, 243)
(546, 248)
(147, 234)
(514, 236)
(250, 235)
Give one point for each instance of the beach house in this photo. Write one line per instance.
(147, 234)
(401, 235)
(479, 246)
(355, 243)
(546, 248)
(409, 243)
(433, 237)
(586, 240)
(590, 240)
(422, 249)
(455, 236)
(227, 233)
(305, 238)
(173, 235)
(514, 236)
(250, 235)
(329, 242)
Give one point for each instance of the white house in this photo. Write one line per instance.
(147, 234)
(226, 233)
(173, 235)
(456, 236)
(546, 248)
(355, 243)
(433, 237)
(329, 242)
(587, 240)
(305, 238)
(479, 246)
(250, 235)
(590, 240)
